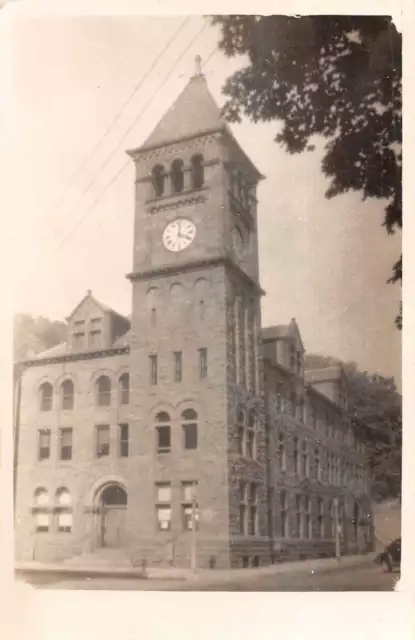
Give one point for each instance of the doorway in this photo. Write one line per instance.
(113, 516)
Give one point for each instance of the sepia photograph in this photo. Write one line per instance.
(207, 387)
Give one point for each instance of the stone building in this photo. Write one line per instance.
(187, 431)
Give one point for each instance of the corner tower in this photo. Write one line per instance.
(196, 367)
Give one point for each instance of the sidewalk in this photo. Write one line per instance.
(317, 565)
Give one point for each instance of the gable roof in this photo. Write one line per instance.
(277, 332)
(324, 375)
(282, 332)
(105, 308)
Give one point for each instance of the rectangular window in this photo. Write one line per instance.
(241, 433)
(304, 457)
(78, 340)
(65, 441)
(190, 436)
(177, 365)
(190, 509)
(320, 508)
(250, 444)
(188, 491)
(242, 508)
(318, 464)
(64, 521)
(298, 517)
(203, 364)
(124, 440)
(252, 509)
(163, 506)
(102, 441)
(94, 339)
(163, 439)
(296, 457)
(44, 444)
(283, 515)
(163, 492)
(308, 522)
(163, 514)
(42, 521)
(153, 369)
(281, 452)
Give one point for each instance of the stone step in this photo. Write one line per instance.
(101, 557)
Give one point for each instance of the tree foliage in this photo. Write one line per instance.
(35, 334)
(339, 77)
(375, 410)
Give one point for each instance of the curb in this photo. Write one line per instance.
(349, 563)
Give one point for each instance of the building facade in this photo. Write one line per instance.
(187, 431)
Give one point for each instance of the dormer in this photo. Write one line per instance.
(330, 381)
(93, 326)
(284, 346)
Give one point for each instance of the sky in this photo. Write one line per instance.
(324, 262)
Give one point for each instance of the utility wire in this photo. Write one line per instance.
(106, 161)
(117, 116)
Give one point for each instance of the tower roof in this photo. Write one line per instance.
(194, 112)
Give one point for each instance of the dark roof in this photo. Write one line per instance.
(276, 332)
(323, 375)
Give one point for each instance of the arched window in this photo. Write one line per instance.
(124, 388)
(46, 395)
(198, 172)
(189, 424)
(103, 391)
(163, 431)
(177, 176)
(158, 176)
(41, 512)
(67, 394)
(63, 508)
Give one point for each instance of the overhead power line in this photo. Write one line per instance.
(107, 160)
(117, 116)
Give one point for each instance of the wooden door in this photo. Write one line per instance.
(114, 526)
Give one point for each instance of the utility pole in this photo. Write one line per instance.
(337, 527)
(194, 531)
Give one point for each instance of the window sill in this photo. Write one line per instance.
(171, 196)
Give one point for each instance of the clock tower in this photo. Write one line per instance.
(195, 356)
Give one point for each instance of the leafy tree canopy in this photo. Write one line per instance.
(375, 409)
(339, 77)
(35, 334)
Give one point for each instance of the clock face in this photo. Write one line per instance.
(179, 234)
(238, 243)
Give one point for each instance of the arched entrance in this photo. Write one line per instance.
(113, 515)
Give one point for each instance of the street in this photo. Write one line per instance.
(362, 578)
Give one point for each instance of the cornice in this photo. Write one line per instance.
(72, 357)
(143, 154)
(195, 264)
(170, 203)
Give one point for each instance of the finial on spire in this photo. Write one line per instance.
(89, 292)
(198, 66)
